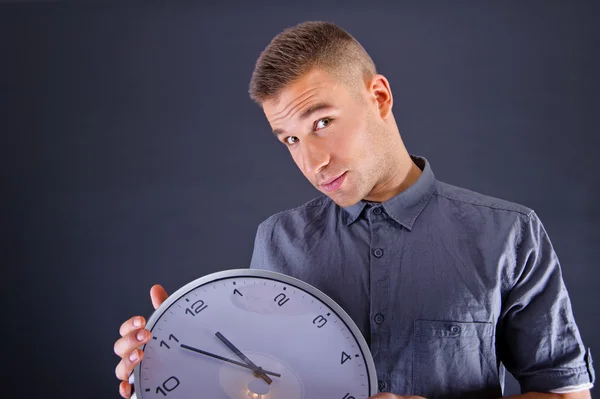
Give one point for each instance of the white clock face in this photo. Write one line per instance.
(254, 334)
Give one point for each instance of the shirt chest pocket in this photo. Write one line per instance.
(454, 359)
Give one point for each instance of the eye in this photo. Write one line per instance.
(321, 123)
(291, 140)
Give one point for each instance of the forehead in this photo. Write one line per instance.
(316, 86)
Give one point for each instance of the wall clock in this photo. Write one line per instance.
(257, 334)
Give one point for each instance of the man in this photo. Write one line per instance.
(448, 286)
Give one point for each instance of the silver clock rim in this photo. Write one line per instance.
(366, 352)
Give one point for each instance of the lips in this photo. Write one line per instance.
(335, 184)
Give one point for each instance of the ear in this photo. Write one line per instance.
(380, 90)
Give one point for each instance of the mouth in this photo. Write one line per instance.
(334, 184)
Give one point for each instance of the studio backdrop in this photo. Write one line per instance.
(133, 155)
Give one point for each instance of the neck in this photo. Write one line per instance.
(401, 176)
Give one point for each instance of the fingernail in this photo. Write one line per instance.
(137, 322)
(134, 356)
(141, 335)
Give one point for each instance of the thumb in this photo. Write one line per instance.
(158, 295)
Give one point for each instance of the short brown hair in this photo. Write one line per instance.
(298, 49)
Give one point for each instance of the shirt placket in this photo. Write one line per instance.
(379, 286)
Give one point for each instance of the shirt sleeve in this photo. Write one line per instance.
(265, 255)
(259, 252)
(537, 338)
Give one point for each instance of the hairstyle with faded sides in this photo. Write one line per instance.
(301, 48)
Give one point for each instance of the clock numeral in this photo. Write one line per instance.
(235, 291)
(320, 321)
(174, 384)
(171, 336)
(347, 396)
(283, 299)
(197, 307)
(345, 357)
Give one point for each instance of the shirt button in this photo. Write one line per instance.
(379, 318)
(377, 211)
(455, 329)
(378, 252)
(382, 385)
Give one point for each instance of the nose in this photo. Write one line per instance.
(315, 156)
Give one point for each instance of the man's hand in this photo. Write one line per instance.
(387, 395)
(133, 334)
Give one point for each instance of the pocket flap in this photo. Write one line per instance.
(431, 328)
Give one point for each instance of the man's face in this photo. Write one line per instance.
(334, 136)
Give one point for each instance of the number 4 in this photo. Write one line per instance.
(347, 396)
(345, 357)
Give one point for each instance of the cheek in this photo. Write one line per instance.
(297, 159)
(354, 146)
(348, 142)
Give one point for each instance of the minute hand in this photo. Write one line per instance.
(258, 371)
(191, 348)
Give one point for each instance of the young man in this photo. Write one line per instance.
(448, 286)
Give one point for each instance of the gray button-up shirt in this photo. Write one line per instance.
(448, 287)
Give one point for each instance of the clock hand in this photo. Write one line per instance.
(191, 348)
(258, 371)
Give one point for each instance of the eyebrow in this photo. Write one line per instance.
(307, 113)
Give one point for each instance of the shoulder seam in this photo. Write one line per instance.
(315, 202)
(484, 205)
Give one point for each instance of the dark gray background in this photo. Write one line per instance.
(132, 155)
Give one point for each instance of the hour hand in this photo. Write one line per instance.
(258, 371)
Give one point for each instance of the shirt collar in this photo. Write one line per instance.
(405, 206)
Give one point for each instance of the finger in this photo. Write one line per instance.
(125, 345)
(158, 295)
(128, 363)
(125, 389)
(135, 323)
